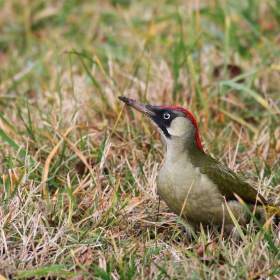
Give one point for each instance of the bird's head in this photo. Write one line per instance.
(173, 122)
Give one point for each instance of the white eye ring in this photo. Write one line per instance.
(166, 116)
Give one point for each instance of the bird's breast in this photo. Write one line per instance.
(188, 192)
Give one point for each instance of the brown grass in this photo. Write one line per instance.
(62, 72)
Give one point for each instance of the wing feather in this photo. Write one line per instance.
(229, 183)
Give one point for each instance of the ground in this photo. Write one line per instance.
(78, 173)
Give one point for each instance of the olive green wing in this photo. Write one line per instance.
(229, 183)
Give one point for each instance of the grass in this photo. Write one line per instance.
(62, 67)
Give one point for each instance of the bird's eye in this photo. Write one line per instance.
(166, 116)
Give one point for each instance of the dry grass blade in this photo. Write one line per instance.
(239, 120)
(48, 162)
(54, 151)
(252, 93)
(237, 225)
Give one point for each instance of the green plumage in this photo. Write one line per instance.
(228, 182)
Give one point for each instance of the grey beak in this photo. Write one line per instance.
(141, 107)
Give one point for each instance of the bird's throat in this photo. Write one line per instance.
(184, 149)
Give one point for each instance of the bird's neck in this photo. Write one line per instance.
(184, 149)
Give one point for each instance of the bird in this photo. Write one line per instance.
(193, 184)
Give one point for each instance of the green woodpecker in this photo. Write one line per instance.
(191, 182)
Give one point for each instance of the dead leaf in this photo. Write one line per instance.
(85, 257)
(134, 202)
(231, 71)
(207, 260)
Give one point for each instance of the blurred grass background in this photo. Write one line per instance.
(63, 64)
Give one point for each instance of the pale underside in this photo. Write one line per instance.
(195, 197)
